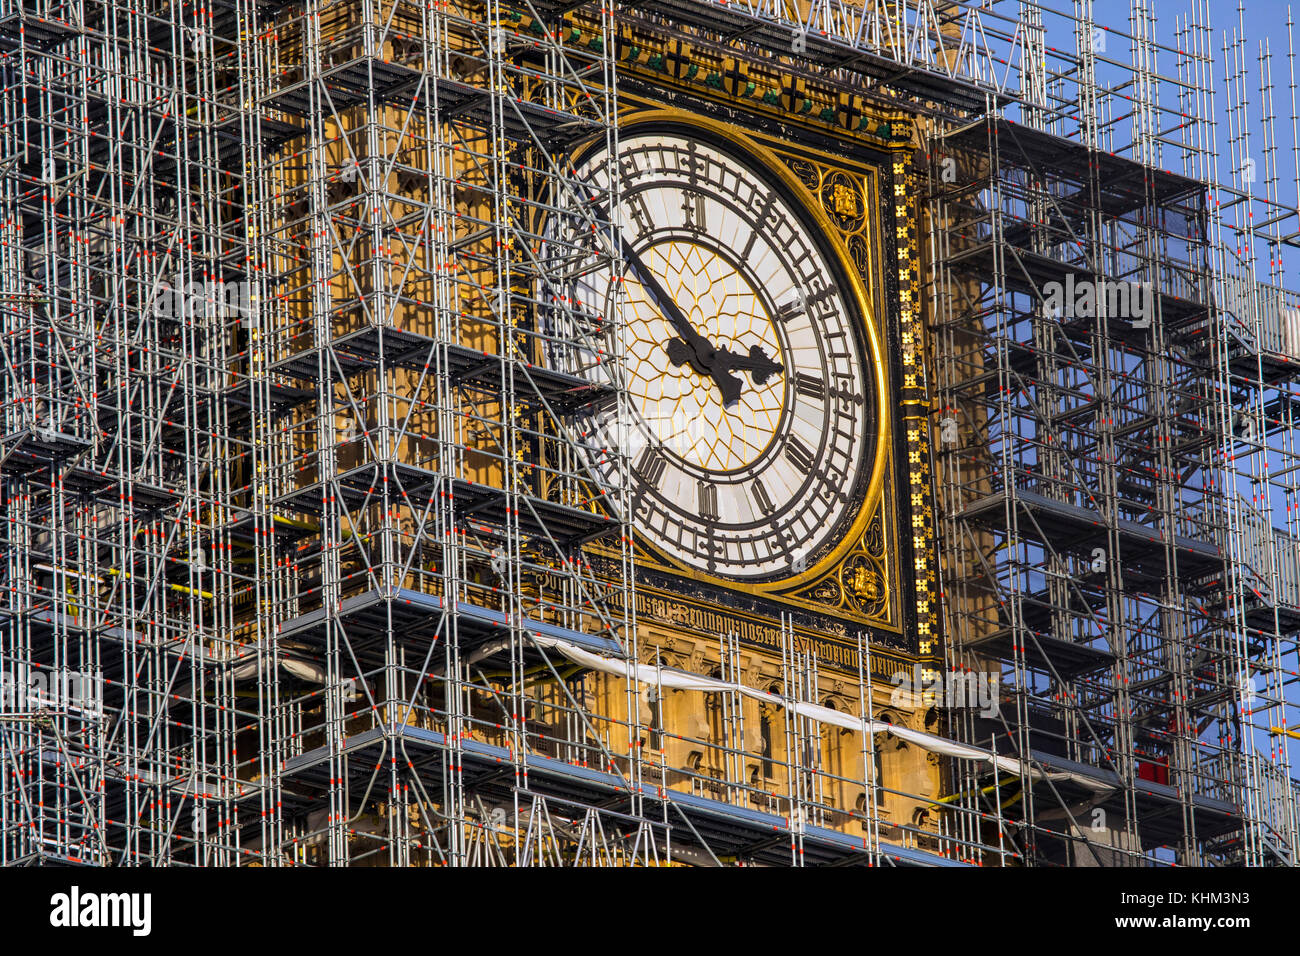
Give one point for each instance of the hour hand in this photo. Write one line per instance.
(759, 366)
(689, 347)
(679, 353)
(692, 348)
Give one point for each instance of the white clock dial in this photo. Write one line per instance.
(726, 277)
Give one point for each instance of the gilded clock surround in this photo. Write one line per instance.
(856, 580)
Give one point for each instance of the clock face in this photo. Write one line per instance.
(750, 425)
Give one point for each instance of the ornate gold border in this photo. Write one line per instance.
(871, 500)
(770, 160)
(915, 404)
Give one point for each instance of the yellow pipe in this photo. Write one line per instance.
(1284, 730)
(989, 789)
(206, 595)
(296, 523)
(300, 525)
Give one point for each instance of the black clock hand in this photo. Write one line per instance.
(729, 385)
(697, 349)
(759, 366)
(691, 347)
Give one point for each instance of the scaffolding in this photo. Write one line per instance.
(312, 551)
(1119, 484)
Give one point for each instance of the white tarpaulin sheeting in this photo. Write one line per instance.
(305, 670)
(671, 679)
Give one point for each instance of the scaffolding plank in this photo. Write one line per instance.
(726, 828)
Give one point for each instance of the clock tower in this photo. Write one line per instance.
(760, 296)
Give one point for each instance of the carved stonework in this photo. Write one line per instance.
(916, 407)
(845, 200)
(809, 173)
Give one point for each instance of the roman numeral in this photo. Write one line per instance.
(798, 453)
(830, 491)
(651, 465)
(810, 385)
(640, 214)
(768, 199)
(693, 208)
(708, 498)
(792, 309)
(603, 404)
(761, 497)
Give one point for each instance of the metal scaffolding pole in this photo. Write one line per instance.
(317, 543)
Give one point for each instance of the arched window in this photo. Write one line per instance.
(771, 729)
(765, 737)
(880, 741)
(832, 735)
(656, 720)
(713, 708)
(656, 701)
